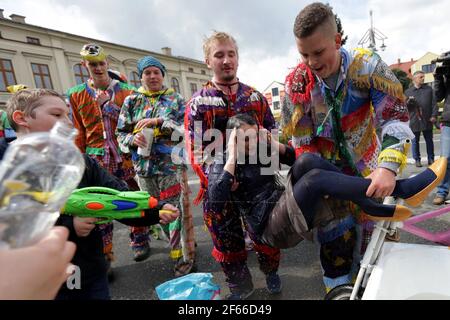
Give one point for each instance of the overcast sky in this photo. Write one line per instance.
(262, 28)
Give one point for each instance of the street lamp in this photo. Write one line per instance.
(372, 35)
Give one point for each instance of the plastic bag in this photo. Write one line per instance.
(193, 286)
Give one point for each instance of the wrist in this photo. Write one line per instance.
(388, 170)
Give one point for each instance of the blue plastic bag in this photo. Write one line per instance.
(193, 286)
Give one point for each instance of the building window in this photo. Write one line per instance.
(175, 85)
(203, 72)
(134, 79)
(193, 88)
(7, 77)
(429, 68)
(191, 69)
(33, 40)
(275, 92)
(276, 105)
(41, 75)
(81, 73)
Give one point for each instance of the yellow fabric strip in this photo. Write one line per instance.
(176, 254)
(391, 155)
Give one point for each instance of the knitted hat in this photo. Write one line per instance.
(150, 61)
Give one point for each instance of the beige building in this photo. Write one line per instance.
(424, 64)
(45, 58)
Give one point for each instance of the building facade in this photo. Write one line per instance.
(44, 58)
(424, 64)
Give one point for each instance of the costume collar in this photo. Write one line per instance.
(343, 70)
(112, 83)
(155, 93)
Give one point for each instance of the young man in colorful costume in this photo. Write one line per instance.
(95, 107)
(349, 108)
(161, 109)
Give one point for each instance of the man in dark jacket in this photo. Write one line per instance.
(422, 113)
(442, 91)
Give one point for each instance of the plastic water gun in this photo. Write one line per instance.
(109, 204)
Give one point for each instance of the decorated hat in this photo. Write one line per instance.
(16, 88)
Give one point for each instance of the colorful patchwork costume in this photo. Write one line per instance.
(96, 127)
(158, 173)
(360, 125)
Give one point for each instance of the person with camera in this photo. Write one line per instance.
(422, 115)
(441, 88)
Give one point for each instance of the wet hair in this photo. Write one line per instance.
(217, 36)
(312, 17)
(238, 120)
(27, 100)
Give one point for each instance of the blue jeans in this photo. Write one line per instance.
(428, 135)
(442, 189)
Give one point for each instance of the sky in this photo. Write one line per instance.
(262, 28)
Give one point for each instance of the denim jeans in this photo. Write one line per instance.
(428, 135)
(442, 189)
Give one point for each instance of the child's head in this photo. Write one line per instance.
(318, 40)
(34, 110)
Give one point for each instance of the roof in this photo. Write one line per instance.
(404, 66)
(271, 84)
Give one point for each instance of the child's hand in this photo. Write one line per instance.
(37, 271)
(169, 217)
(265, 137)
(84, 226)
(149, 122)
(232, 144)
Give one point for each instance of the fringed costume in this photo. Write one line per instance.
(360, 125)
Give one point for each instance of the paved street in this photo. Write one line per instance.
(299, 270)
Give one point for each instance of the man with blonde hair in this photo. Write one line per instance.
(210, 108)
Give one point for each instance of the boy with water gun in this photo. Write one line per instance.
(38, 110)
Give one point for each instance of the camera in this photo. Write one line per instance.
(444, 67)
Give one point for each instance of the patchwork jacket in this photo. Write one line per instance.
(361, 125)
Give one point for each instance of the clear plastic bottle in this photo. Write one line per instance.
(37, 175)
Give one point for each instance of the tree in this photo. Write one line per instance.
(340, 29)
(339, 26)
(402, 76)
